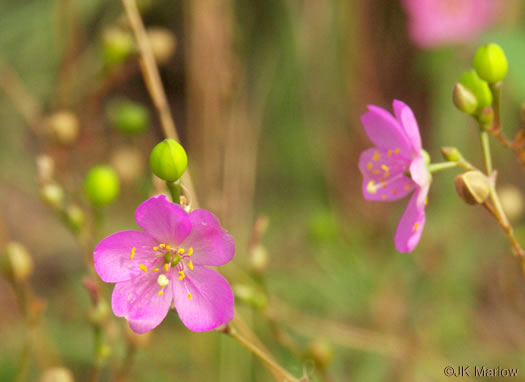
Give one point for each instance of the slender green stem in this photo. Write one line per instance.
(271, 364)
(485, 144)
(174, 188)
(435, 167)
(496, 92)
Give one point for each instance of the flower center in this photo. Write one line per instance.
(176, 258)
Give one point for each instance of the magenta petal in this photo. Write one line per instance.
(408, 122)
(390, 182)
(419, 171)
(211, 303)
(165, 221)
(112, 255)
(138, 301)
(411, 225)
(210, 242)
(384, 130)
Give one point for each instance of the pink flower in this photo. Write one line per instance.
(396, 167)
(167, 263)
(441, 22)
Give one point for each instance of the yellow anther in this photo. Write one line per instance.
(190, 264)
(370, 165)
(180, 251)
(389, 153)
(382, 180)
(162, 280)
(371, 188)
(162, 245)
(143, 267)
(416, 226)
(394, 191)
(375, 172)
(182, 275)
(167, 267)
(168, 247)
(132, 253)
(189, 296)
(376, 156)
(155, 248)
(426, 201)
(407, 187)
(161, 292)
(155, 269)
(383, 197)
(397, 151)
(190, 251)
(385, 168)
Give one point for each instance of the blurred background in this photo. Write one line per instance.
(267, 98)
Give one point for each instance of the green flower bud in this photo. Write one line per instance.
(101, 185)
(321, 352)
(75, 217)
(478, 87)
(53, 195)
(99, 313)
(451, 154)
(63, 126)
(117, 46)
(57, 374)
(16, 262)
(162, 43)
(490, 63)
(464, 99)
(472, 187)
(259, 259)
(168, 160)
(128, 117)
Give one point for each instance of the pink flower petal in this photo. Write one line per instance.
(138, 301)
(383, 175)
(408, 122)
(211, 303)
(165, 221)
(385, 131)
(113, 260)
(419, 171)
(210, 242)
(411, 225)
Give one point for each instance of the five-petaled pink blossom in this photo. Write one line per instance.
(166, 264)
(443, 22)
(396, 167)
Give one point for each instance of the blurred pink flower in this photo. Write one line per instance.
(167, 263)
(441, 22)
(396, 167)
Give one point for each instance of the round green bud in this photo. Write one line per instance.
(101, 185)
(464, 99)
(168, 160)
(117, 46)
(128, 117)
(478, 87)
(75, 217)
(451, 154)
(53, 195)
(490, 63)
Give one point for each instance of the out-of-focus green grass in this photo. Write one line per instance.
(458, 299)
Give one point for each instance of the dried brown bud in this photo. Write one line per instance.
(473, 187)
(511, 200)
(63, 126)
(321, 352)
